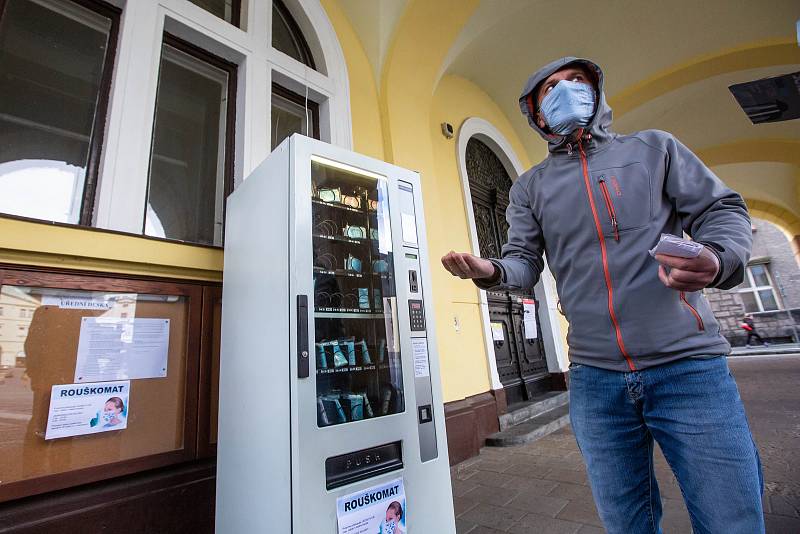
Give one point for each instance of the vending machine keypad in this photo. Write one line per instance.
(417, 313)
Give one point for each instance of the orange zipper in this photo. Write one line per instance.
(700, 325)
(612, 214)
(603, 253)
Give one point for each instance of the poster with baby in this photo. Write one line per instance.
(376, 510)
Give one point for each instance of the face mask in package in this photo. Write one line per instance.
(671, 245)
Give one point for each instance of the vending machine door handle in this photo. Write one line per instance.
(302, 336)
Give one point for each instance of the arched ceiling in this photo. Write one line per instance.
(668, 65)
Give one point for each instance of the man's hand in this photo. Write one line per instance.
(688, 274)
(465, 265)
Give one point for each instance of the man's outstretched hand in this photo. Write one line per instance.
(688, 274)
(465, 265)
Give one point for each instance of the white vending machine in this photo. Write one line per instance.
(330, 413)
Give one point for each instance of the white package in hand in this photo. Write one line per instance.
(675, 246)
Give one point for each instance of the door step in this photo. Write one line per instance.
(532, 420)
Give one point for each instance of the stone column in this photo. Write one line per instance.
(795, 243)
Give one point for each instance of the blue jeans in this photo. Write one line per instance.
(692, 408)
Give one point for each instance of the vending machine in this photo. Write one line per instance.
(330, 412)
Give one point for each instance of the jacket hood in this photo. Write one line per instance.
(600, 125)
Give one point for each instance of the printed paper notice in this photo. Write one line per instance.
(409, 228)
(497, 332)
(114, 348)
(376, 510)
(421, 366)
(529, 321)
(78, 409)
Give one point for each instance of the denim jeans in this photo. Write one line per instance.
(692, 408)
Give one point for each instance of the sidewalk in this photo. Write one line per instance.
(757, 350)
(542, 487)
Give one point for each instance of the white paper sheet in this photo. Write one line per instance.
(529, 320)
(78, 409)
(409, 225)
(114, 348)
(497, 332)
(421, 365)
(376, 510)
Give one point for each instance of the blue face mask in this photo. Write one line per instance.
(568, 106)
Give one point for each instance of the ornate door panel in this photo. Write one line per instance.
(520, 362)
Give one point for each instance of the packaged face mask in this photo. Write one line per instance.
(363, 298)
(349, 346)
(330, 194)
(365, 358)
(338, 358)
(352, 264)
(568, 106)
(367, 406)
(355, 232)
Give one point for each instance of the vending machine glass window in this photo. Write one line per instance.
(357, 352)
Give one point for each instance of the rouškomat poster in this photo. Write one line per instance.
(78, 409)
(376, 510)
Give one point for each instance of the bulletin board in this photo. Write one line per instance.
(162, 411)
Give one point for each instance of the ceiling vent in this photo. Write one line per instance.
(770, 99)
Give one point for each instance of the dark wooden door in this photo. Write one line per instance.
(520, 359)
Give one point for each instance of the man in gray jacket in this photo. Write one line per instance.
(648, 360)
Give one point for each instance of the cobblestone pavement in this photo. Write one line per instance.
(542, 487)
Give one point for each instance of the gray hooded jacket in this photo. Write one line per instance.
(595, 206)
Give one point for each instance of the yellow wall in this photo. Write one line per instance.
(462, 353)
(42, 244)
(364, 109)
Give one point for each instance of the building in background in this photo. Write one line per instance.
(124, 124)
(770, 292)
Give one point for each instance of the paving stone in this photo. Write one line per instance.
(463, 504)
(781, 524)
(588, 529)
(492, 495)
(784, 505)
(567, 475)
(485, 530)
(565, 490)
(489, 478)
(491, 465)
(533, 523)
(460, 487)
(464, 527)
(581, 512)
(493, 516)
(531, 484)
(537, 503)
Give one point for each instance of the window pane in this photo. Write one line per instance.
(287, 118)
(187, 165)
(221, 8)
(286, 36)
(768, 300)
(749, 301)
(760, 275)
(51, 60)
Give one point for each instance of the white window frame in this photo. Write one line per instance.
(753, 288)
(122, 184)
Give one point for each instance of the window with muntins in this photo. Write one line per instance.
(287, 36)
(227, 10)
(191, 161)
(56, 59)
(757, 291)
